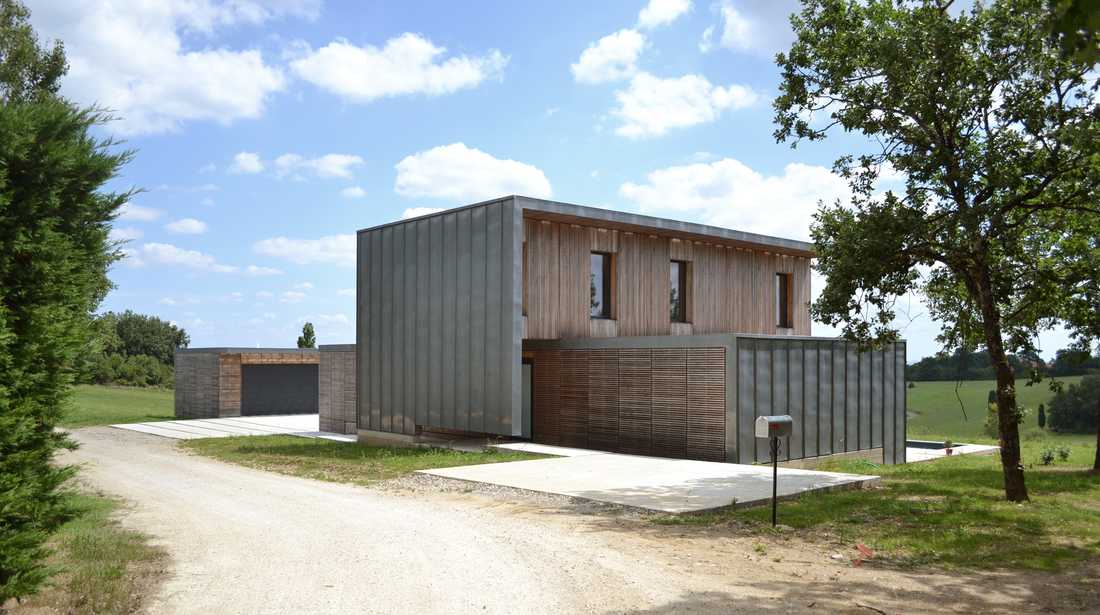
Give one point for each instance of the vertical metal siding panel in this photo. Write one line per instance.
(878, 409)
(746, 396)
(387, 330)
(423, 318)
(477, 324)
(511, 386)
(461, 365)
(840, 388)
(764, 352)
(851, 398)
(491, 417)
(795, 400)
(888, 404)
(435, 377)
(811, 391)
(362, 328)
(411, 378)
(864, 400)
(780, 386)
(824, 398)
(375, 335)
(448, 332)
(901, 416)
(397, 331)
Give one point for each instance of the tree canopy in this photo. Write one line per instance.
(307, 339)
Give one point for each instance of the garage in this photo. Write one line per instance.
(278, 389)
(226, 382)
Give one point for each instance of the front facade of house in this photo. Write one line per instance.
(587, 327)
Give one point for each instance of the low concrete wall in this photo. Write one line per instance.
(337, 390)
(812, 463)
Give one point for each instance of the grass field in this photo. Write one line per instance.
(934, 411)
(102, 405)
(338, 461)
(102, 568)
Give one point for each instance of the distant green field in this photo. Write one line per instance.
(104, 405)
(934, 411)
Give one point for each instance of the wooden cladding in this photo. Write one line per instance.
(730, 289)
(668, 402)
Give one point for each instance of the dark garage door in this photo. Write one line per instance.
(278, 389)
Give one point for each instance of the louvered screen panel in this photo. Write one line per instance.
(574, 398)
(603, 399)
(635, 395)
(706, 403)
(669, 414)
(546, 428)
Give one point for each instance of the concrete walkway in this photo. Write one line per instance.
(305, 425)
(653, 483)
(916, 454)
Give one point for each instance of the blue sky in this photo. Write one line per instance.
(266, 133)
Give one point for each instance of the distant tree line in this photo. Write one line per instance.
(965, 365)
(132, 349)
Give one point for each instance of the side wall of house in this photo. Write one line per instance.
(439, 326)
(196, 385)
(336, 386)
(731, 289)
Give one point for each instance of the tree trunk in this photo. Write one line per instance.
(1007, 418)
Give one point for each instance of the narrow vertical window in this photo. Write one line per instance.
(783, 317)
(678, 291)
(599, 287)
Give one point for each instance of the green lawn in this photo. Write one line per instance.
(101, 567)
(338, 461)
(934, 411)
(104, 405)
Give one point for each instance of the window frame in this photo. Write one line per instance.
(784, 308)
(608, 287)
(683, 281)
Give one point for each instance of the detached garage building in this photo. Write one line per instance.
(587, 327)
(221, 382)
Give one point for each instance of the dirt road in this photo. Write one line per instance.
(246, 541)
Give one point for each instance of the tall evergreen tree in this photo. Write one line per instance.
(307, 339)
(54, 255)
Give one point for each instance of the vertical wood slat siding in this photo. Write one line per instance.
(336, 389)
(668, 416)
(546, 427)
(438, 346)
(603, 400)
(573, 291)
(573, 417)
(229, 385)
(706, 404)
(635, 401)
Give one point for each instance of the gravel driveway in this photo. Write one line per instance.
(247, 541)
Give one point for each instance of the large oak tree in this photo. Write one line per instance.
(995, 132)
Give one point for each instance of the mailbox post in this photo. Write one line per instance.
(773, 428)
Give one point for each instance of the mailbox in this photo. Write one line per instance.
(774, 426)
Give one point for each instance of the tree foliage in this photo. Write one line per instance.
(54, 255)
(141, 334)
(307, 339)
(995, 133)
(1073, 410)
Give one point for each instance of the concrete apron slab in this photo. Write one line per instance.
(304, 425)
(654, 483)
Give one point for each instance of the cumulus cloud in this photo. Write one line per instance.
(651, 106)
(416, 212)
(407, 64)
(257, 271)
(292, 296)
(326, 167)
(137, 213)
(168, 254)
(124, 233)
(246, 163)
(353, 192)
(130, 57)
(186, 226)
(330, 250)
(761, 28)
(662, 12)
(462, 173)
(728, 193)
(612, 58)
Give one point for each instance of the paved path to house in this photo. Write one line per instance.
(305, 425)
(653, 483)
(248, 541)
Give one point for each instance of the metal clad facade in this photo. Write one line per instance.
(439, 322)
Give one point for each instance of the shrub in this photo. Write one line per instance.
(1063, 453)
(1073, 409)
(1047, 456)
(1042, 416)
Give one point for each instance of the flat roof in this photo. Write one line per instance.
(228, 349)
(568, 212)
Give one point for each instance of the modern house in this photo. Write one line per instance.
(592, 328)
(222, 382)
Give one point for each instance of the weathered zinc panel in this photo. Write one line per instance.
(439, 346)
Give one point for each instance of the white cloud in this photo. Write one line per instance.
(124, 233)
(332, 250)
(738, 32)
(264, 294)
(407, 64)
(416, 212)
(304, 286)
(187, 226)
(256, 270)
(132, 258)
(168, 254)
(461, 173)
(130, 57)
(761, 28)
(246, 163)
(729, 194)
(327, 166)
(129, 211)
(612, 58)
(346, 292)
(292, 296)
(662, 12)
(651, 106)
(353, 192)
